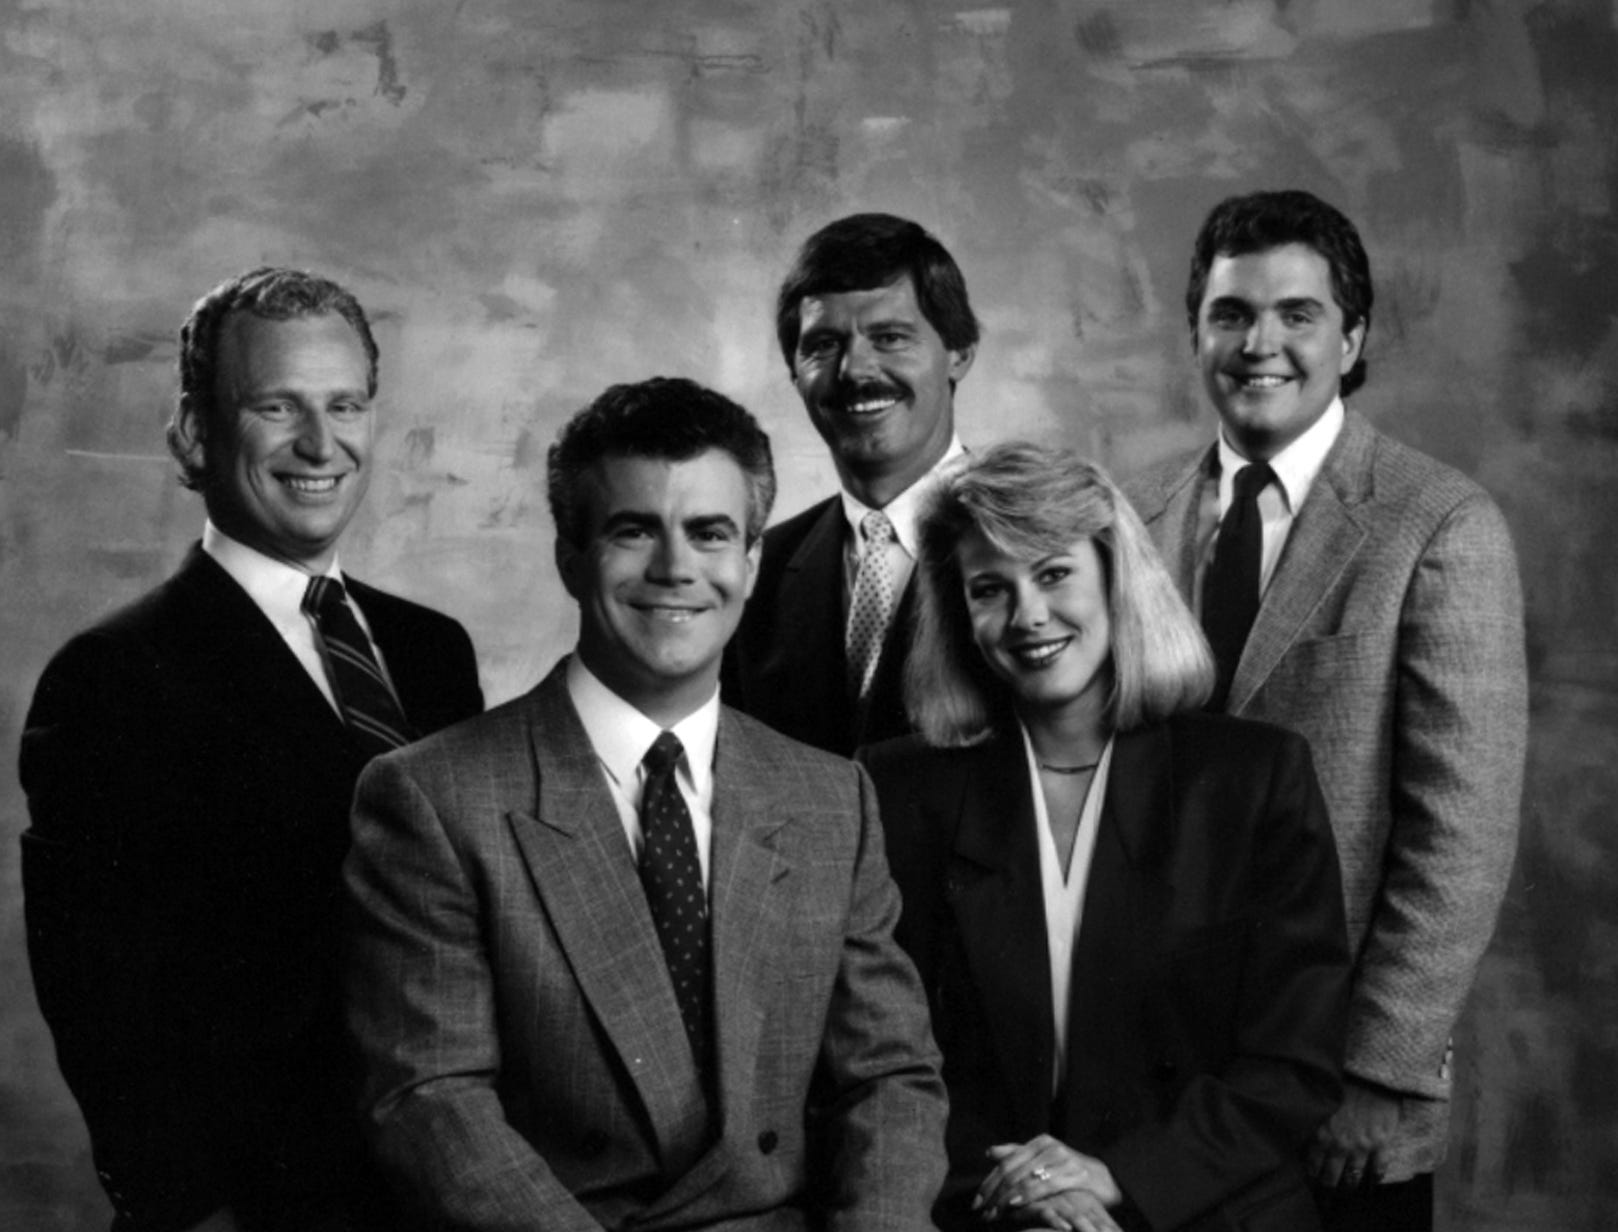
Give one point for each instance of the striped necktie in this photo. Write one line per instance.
(374, 717)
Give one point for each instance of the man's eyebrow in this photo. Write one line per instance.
(287, 393)
(638, 518)
(712, 521)
(1300, 301)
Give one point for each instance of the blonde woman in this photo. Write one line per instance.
(1127, 912)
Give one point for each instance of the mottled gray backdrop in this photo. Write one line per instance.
(538, 197)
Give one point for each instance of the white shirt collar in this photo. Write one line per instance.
(904, 509)
(621, 734)
(1296, 466)
(277, 587)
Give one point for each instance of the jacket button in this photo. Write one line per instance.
(767, 1141)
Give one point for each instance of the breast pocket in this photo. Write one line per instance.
(1330, 688)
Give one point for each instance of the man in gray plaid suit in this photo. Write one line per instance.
(553, 1038)
(1388, 630)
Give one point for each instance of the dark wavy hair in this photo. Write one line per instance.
(664, 417)
(1260, 221)
(866, 251)
(274, 293)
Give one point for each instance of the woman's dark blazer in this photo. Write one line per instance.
(1209, 981)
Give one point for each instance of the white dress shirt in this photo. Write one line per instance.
(277, 589)
(621, 736)
(1296, 468)
(1065, 891)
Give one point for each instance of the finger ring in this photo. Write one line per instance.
(1041, 1174)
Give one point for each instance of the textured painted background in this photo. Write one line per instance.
(538, 197)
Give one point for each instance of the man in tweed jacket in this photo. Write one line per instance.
(1390, 634)
(529, 1062)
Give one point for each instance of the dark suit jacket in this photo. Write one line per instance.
(189, 788)
(526, 1063)
(1209, 978)
(786, 665)
(1391, 636)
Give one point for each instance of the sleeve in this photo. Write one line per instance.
(885, 1104)
(111, 949)
(1230, 1128)
(421, 1008)
(1459, 742)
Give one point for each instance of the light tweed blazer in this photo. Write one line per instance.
(524, 1060)
(1391, 636)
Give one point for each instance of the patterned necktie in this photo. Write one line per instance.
(871, 605)
(1230, 588)
(672, 877)
(373, 714)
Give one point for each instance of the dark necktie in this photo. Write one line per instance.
(672, 877)
(371, 711)
(1230, 588)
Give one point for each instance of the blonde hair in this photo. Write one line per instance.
(1030, 501)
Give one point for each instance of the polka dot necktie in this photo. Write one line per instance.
(373, 715)
(871, 605)
(1230, 588)
(672, 877)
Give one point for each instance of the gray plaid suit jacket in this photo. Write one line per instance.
(525, 1065)
(1391, 636)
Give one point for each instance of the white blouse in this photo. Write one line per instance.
(1064, 894)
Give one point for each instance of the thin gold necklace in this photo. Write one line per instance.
(1089, 765)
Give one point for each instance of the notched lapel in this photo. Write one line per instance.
(746, 872)
(583, 870)
(1327, 534)
(249, 663)
(993, 887)
(1127, 897)
(810, 652)
(1173, 516)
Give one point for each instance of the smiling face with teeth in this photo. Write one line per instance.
(1271, 345)
(1043, 626)
(288, 437)
(879, 385)
(660, 576)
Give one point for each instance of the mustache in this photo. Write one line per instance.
(848, 393)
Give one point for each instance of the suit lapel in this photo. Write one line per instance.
(1126, 897)
(746, 873)
(812, 624)
(247, 661)
(412, 677)
(584, 871)
(884, 712)
(995, 891)
(1327, 533)
(1171, 515)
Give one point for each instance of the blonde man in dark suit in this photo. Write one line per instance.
(189, 763)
